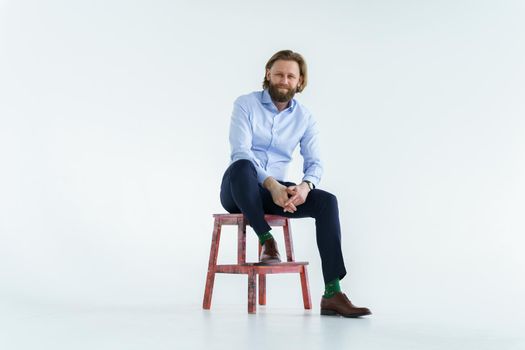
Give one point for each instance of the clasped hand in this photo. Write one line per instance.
(289, 198)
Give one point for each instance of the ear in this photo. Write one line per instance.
(267, 74)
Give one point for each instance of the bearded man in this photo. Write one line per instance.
(266, 127)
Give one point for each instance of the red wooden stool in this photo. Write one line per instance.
(253, 269)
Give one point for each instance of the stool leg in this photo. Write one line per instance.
(212, 265)
(288, 240)
(262, 281)
(305, 286)
(262, 289)
(241, 241)
(251, 292)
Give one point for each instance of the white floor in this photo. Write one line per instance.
(41, 326)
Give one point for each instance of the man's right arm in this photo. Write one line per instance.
(241, 137)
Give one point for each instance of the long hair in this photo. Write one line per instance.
(288, 55)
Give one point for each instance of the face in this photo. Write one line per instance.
(284, 78)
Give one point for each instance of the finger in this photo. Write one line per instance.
(291, 208)
(299, 201)
(291, 200)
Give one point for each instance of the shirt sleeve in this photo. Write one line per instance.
(312, 166)
(241, 136)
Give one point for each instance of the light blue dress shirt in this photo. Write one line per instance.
(267, 137)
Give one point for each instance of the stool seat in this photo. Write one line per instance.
(253, 269)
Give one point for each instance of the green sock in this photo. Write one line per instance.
(331, 288)
(264, 237)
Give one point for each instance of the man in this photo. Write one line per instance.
(266, 127)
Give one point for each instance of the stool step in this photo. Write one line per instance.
(286, 263)
(287, 267)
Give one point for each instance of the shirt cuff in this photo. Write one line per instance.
(313, 179)
(261, 174)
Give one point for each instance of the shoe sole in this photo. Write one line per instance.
(327, 312)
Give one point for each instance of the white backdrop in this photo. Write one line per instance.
(114, 121)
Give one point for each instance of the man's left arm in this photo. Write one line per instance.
(312, 166)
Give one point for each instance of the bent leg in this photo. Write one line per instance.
(240, 193)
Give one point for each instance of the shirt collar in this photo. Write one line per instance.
(267, 100)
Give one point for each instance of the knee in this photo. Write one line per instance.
(242, 166)
(324, 204)
(329, 200)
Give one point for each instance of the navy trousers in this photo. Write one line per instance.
(241, 193)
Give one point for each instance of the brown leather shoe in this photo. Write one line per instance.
(339, 304)
(269, 252)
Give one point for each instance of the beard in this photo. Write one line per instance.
(279, 96)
